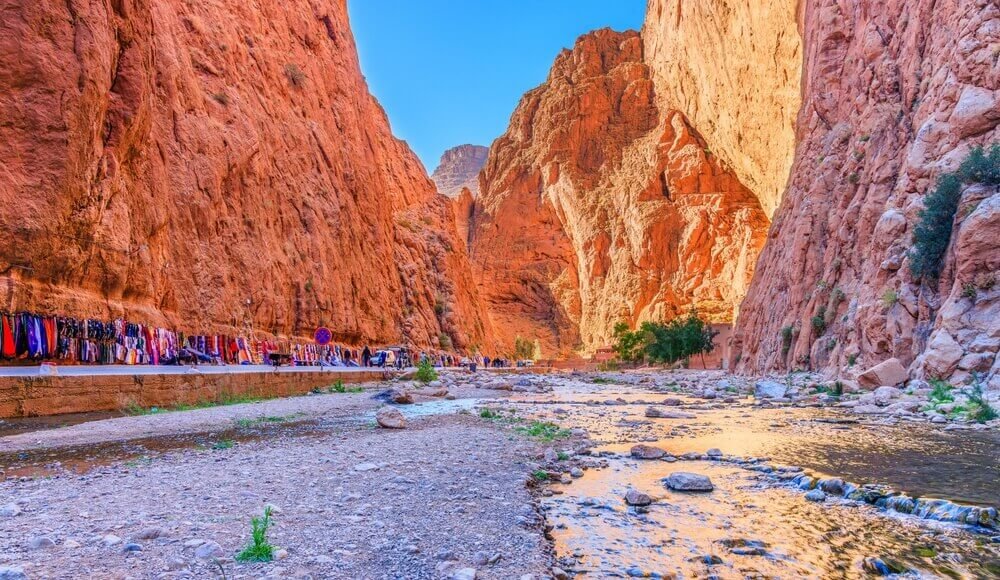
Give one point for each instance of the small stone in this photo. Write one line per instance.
(111, 540)
(149, 534)
(635, 497)
(646, 452)
(464, 574)
(390, 418)
(12, 573)
(832, 486)
(576, 472)
(559, 574)
(131, 547)
(10, 510)
(71, 544)
(816, 495)
(657, 413)
(208, 551)
(684, 481)
(41, 543)
(713, 452)
(280, 554)
(765, 389)
(176, 563)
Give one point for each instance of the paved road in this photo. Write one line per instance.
(109, 370)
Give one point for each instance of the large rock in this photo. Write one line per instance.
(860, 84)
(390, 418)
(889, 373)
(598, 205)
(683, 481)
(634, 497)
(767, 389)
(157, 166)
(942, 354)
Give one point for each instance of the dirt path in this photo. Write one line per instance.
(443, 495)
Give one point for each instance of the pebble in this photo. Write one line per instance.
(132, 547)
(635, 497)
(816, 495)
(111, 540)
(576, 472)
(12, 573)
(41, 543)
(208, 550)
(684, 481)
(464, 574)
(10, 510)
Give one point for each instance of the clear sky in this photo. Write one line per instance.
(450, 72)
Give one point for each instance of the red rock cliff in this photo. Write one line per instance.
(598, 206)
(895, 93)
(213, 165)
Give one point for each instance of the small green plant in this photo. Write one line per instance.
(982, 166)
(540, 475)
(543, 431)
(969, 291)
(259, 549)
(223, 444)
(562, 456)
(819, 321)
(890, 298)
(941, 391)
(425, 372)
(864, 138)
(294, 74)
(608, 366)
(488, 413)
(339, 387)
(980, 410)
(445, 341)
(853, 178)
(600, 381)
(787, 334)
(852, 359)
(439, 306)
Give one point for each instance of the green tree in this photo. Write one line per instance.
(524, 349)
(668, 343)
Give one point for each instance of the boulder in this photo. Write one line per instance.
(634, 497)
(684, 481)
(768, 389)
(889, 373)
(942, 354)
(390, 418)
(646, 452)
(885, 394)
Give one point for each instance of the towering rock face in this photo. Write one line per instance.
(211, 165)
(733, 68)
(895, 93)
(459, 169)
(599, 206)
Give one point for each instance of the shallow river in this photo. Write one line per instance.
(751, 526)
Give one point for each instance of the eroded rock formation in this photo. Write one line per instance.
(210, 165)
(894, 94)
(459, 169)
(733, 68)
(597, 205)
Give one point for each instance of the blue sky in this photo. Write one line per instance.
(450, 72)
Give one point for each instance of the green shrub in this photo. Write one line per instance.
(889, 298)
(941, 391)
(524, 349)
(668, 343)
(982, 167)
(425, 372)
(258, 550)
(787, 334)
(295, 75)
(980, 410)
(819, 321)
(933, 232)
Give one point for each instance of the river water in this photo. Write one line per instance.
(751, 526)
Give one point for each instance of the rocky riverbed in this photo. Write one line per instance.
(656, 474)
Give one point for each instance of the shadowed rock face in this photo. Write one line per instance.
(894, 94)
(216, 165)
(459, 169)
(598, 206)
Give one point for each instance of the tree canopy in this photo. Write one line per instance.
(664, 343)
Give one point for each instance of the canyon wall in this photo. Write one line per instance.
(733, 68)
(216, 165)
(598, 206)
(459, 169)
(895, 93)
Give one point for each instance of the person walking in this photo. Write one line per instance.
(366, 357)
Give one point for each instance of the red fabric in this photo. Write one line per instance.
(8, 348)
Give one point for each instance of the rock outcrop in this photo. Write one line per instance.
(459, 169)
(598, 206)
(733, 68)
(216, 165)
(895, 93)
